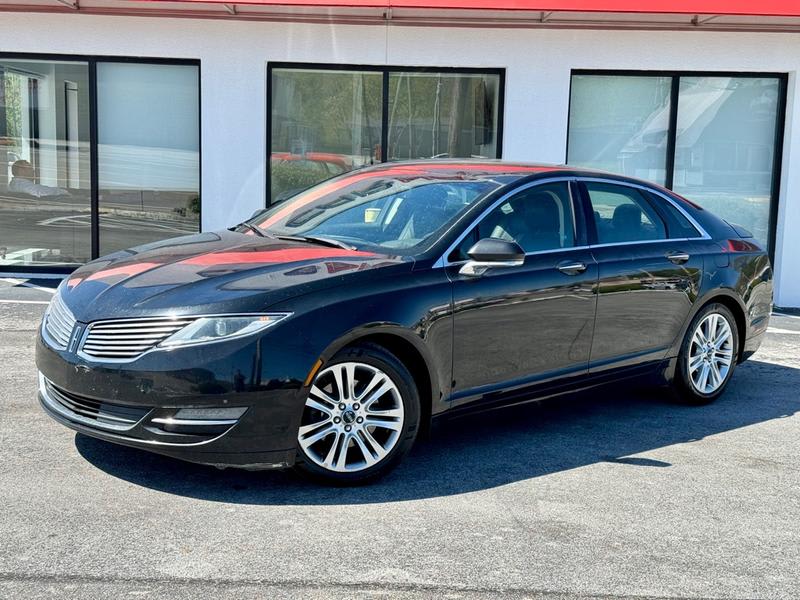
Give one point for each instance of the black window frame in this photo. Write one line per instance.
(672, 133)
(386, 71)
(94, 177)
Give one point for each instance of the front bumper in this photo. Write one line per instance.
(135, 404)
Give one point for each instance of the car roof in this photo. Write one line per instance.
(448, 168)
(480, 168)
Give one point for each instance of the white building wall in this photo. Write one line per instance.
(234, 55)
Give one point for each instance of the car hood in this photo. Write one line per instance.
(219, 272)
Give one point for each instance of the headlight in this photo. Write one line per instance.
(213, 329)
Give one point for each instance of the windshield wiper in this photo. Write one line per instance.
(313, 239)
(254, 228)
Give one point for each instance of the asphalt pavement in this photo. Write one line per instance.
(610, 494)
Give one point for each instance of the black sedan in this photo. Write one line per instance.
(330, 330)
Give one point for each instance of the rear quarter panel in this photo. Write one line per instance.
(743, 281)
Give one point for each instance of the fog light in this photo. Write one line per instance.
(201, 417)
(199, 421)
(210, 414)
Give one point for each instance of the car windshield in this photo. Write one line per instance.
(402, 213)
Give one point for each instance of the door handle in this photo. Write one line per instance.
(571, 268)
(677, 257)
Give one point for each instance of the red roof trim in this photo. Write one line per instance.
(775, 8)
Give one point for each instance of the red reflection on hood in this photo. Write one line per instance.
(271, 256)
(127, 270)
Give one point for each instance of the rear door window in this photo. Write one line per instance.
(622, 214)
(678, 225)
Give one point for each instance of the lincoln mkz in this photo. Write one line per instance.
(330, 330)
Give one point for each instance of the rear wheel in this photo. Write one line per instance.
(360, 417)
(708, 356)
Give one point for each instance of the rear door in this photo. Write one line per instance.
(648, 275)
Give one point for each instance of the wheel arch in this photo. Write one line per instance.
(728, 299)
(410, 350)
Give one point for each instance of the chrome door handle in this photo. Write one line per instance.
(677, 257)
(571, 268)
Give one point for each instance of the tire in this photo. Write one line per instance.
(703, 372)
(359, 435)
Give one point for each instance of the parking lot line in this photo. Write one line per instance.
(24, 302)
(24, 283)
(783, 331)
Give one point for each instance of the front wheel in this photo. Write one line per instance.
(360, 418)
(708, 356)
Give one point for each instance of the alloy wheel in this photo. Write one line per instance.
(710, 353)
(353, 417)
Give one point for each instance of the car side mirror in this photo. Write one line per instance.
(491, 253)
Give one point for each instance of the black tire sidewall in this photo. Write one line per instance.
(380, 358)
(685, 390)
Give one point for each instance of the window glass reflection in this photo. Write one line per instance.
(443, 115)
(324, 123)
(620, 124)
(45, 206)
(148, 153)
(725, 149)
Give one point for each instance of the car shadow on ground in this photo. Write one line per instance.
(483, 451)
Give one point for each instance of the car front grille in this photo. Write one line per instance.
(59, 323)
(103, 415)
(127, 339)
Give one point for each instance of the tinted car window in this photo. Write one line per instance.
(677, 224)
(622, 214)
(538, 218)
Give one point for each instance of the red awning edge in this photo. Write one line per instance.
(766, 8)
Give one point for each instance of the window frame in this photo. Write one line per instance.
(574, 210)
(386, 71)
(94, 175)
(672, 133)
(649, 194)
(586, 231)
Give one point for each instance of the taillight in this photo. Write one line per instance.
(737, 245)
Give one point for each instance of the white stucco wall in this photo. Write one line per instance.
(234, 55)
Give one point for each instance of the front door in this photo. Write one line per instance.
(517, 326)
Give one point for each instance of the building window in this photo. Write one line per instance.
(45, 181)
(95, 155)
(326, 120)
(323, 123)
(148, 153)
(442, 115)
(711, 138)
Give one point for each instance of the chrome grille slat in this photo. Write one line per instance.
(116, 346)
(59, 320)
(128, 339)
(59, 323)
(140, 331)
(160, 324)
(126, 336)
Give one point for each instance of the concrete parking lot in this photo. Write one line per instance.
(615, 493)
